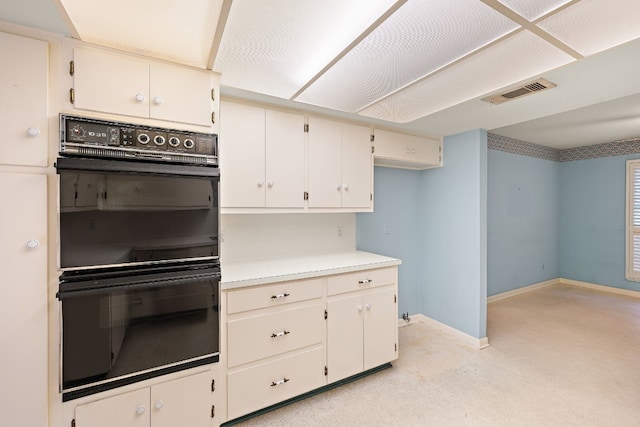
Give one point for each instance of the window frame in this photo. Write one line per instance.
(632, 167)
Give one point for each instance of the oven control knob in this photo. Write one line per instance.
(188, 143)
(143, 138)
(174, 141)
(141, 410)
(33, 244)
(158, 405)
(159, 140)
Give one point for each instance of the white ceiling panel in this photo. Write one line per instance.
(591, 26)
(533, 9)
(421, 37)
(513, 60)
(275, 47)
(40, 14)
(166, 29)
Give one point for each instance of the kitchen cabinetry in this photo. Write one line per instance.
(340, 165)
(275, 343)
(23, 306)
(184, 401)
(119, 84)
(406, 151)
(261, 157)
(362, 325)
(23, 101)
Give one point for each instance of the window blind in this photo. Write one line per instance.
(633, 220)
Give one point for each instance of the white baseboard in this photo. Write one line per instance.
(603, 288)
(523, 290)
(462, 336)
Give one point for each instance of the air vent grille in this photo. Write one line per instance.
(527, 89)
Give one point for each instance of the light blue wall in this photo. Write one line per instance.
(391, 229)
(592, 221)
(452, 215)
(523, 221)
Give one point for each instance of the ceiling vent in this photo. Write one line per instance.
(524, 90)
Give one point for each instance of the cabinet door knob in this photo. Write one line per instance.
(141, 410)
(33, 244)
(33, 131)
(260, 183)
(338, 187)
(158, 100)
(269, 184)
(345, 187)
(359, 308)
(368, 306)
(139, 97)
(158, 405)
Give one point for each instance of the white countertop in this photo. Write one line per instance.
(259, 272)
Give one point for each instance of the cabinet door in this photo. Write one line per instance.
(344, 337)
(380, 327)
(124, 410)
(111, 83)
(356, 166)
(23, 101)
(180, 94)
(183, 402)
(325, 163)
(284, 160)
(242, 156)
(23, 307)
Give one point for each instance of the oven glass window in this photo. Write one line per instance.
(114, 218)
(117, 332)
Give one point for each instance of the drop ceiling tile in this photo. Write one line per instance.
(533, 9)
(519, 57)
(591, 26)
(168, 29)
(422, 36)
(275, 47)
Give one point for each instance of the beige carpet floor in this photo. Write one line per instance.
(559, 356)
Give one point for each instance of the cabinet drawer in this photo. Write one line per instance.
(273, 295)
(266, 384)
(257, 337)
(359, 280)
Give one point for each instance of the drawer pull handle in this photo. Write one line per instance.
(280, 382)
(279, 296)
(365, 281)
(280, 334)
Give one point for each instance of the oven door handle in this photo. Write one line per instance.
(93, 287)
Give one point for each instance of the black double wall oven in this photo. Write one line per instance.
(139, 221)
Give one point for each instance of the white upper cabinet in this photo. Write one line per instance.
(340, 165)
(124, 85)
(261, 157)
(23, 101)
(399, 150)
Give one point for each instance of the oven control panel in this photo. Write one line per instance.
(99, 138)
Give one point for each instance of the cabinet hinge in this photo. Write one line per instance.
(213, 411)
(213, 94)
(371, 197)
(395, 298)
(373, 138)
(306, 196)
(326, 371)
(72, 68)
(373, 149)
(213, 385)
(213, 117)
(72, 96)
(395, 347)
(306, 127)
(326, 315)
(73, 422)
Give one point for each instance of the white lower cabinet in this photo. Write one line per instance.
(184, 401)
(288, 338)
(362, 328)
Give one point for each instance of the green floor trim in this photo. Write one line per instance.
(306, 395)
